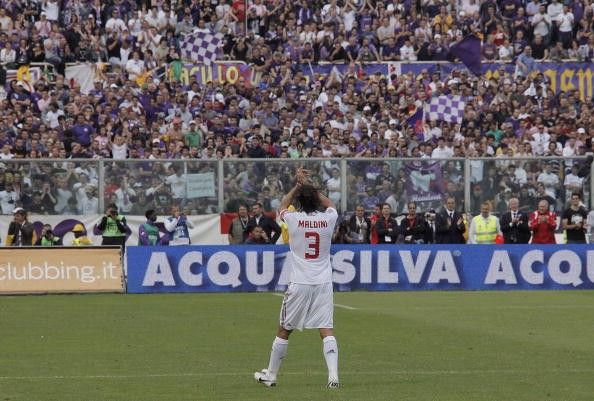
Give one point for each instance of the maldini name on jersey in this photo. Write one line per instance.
(313, 224)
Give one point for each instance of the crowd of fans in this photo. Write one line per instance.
(285, 114)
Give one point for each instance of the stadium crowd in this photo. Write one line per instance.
(286, 114)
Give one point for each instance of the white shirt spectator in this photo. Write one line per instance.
(51, 9)
(565, 21)
(52, 117)
(119, 152)
(5, 23)
(540, 142)
(6, 154)
(125, 55)
(115, 24)
(89, 206)
(550, 182)
(521, 175)
(407, 53)
(134, 68)
(44, 27)
(7, 55)
(554, 9)
(572, 182)
(541, 24)
(178, 185)
(7, 201)
(123, 199)
(442, 153)
(62, 197)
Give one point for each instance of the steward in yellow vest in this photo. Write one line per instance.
(484, 228)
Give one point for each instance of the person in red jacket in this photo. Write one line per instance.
(375, 216)
(543, 223)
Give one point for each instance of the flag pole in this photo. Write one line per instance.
(245, 17)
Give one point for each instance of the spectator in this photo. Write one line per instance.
(449, 224)
(271, 228)
(359, 227)
(543, 223)
(8, 199)
(514, 224)
(413, 228)
(238, 230)
(386, 227)
(525, 63)
(574, 221)
(257, 236)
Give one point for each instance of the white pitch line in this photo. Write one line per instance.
(343, 373)
(337, 305)
(498, 307)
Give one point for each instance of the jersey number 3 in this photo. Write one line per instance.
(313, 247)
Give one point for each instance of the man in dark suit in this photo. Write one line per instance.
(449, 225)
(514, 224)
(268, 224)
(359, 227)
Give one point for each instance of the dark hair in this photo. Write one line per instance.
(149, 213)
(308, 198)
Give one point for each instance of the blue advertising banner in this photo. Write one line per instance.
(363, 267)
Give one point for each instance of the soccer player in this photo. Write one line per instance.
(308, 301)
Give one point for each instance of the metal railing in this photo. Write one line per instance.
(214, 186)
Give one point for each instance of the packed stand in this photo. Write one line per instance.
(286, 115)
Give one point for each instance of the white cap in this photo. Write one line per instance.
(18, 210)
(581, 131)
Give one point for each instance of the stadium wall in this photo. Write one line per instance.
(363, 267)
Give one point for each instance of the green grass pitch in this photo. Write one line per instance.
(458, 346)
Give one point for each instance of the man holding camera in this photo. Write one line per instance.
(177, 225)
(20, 231)
(47, 237)
(113, 227)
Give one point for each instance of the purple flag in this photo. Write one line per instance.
(201, 47)
(416, 121)
(468, 50)
(448, 108)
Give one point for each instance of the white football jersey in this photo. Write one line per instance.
(310, 237)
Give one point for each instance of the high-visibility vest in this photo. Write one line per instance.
(485, 231)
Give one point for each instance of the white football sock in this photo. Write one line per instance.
(331, 356)
(277, 354)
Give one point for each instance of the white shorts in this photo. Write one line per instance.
(307, 306)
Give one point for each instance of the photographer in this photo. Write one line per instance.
(47, 237)
(113, 227)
